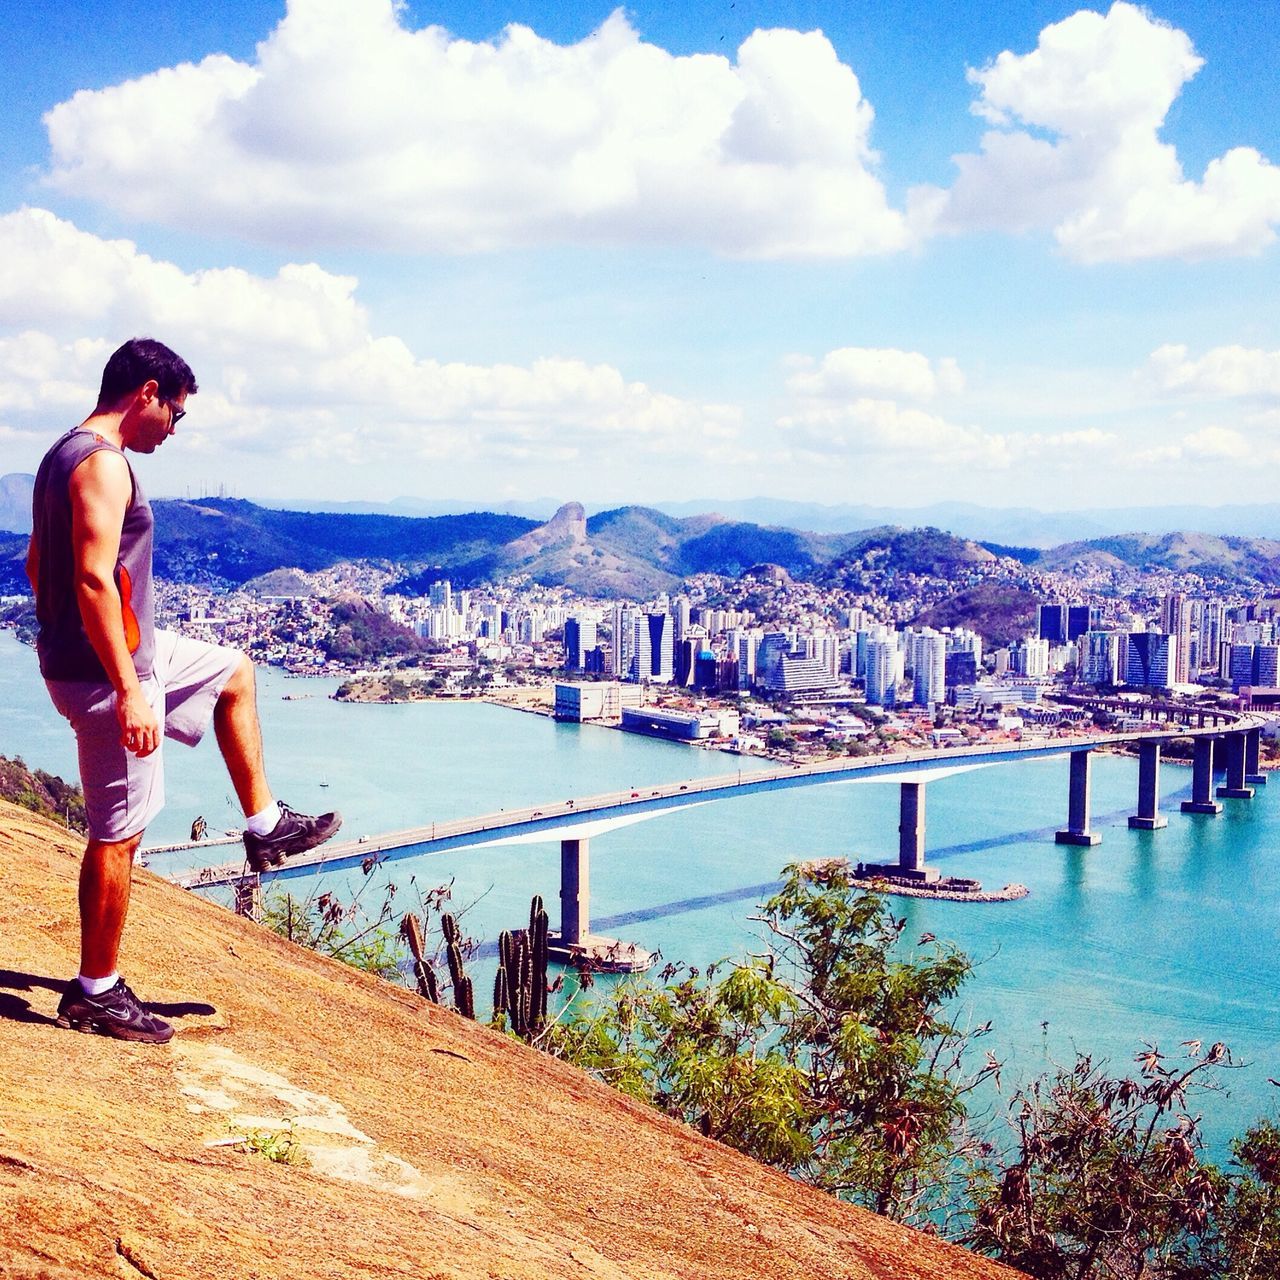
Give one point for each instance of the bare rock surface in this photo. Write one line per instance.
(433, 1148)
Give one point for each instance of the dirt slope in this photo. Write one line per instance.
(436, 1148)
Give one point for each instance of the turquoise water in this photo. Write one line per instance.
(1149, 937)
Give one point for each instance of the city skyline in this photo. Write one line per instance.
(887, 255)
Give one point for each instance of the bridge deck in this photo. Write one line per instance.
(589, 815)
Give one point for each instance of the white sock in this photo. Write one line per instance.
(262, 824)
(96, 986)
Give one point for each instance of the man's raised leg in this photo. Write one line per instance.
(235, 724)
(272, 832)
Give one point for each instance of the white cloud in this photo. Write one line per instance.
(1231, 371)
(855, 406)
(350, 129)
(851, 371)
(288, 366)
(1101, 87)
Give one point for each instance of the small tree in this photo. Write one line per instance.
(1245, 1242)
(827, 1056)
(1106, 1177)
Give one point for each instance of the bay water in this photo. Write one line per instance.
(1148, 938)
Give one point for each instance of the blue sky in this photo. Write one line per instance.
(869, 252)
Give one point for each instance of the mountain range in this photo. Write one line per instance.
(1026, 527)
(631, 552)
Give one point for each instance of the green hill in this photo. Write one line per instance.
(1211, 556)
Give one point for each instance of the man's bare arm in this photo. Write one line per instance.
(100, 491)
(33, 559)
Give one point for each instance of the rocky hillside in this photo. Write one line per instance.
(431, 1147)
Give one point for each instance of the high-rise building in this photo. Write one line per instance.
(656, 649)
(626, 622)
(769, 656)
(743, 644)
(1051, 623)
(1081, 618)
(1151, 659)
(1266, 666)
(1175, 621)
(929, 672)
(961, 669)
(579, 639)
(1031, 657)
(680, 612)
(1099, 657)
(882, 672)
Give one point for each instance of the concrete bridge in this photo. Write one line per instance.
(1229, 743)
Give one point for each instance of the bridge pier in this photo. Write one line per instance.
(575, 943)
(1077, 830)
(575, 891)
(1252, 772)
(1235, 788)
(911, 833)
(1202, 800)
(1148, 817)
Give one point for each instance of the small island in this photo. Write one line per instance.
(883, 877)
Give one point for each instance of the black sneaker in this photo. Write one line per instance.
(294, 833)
(117, 1013)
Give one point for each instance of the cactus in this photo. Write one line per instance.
(423, 973)
(500, 998)
(520, 988)
(463, 997)
(538, 932)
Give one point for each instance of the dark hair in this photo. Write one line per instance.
(138, 361)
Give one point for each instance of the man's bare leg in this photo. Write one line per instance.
(104, 903)
(235, 724)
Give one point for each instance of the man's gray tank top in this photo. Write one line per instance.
(63, 646)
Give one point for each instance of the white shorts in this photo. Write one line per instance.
(124, 792)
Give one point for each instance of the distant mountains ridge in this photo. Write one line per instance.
(631, 551)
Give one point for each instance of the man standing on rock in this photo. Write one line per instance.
(125, 686)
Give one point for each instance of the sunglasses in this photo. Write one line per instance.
(176, 415)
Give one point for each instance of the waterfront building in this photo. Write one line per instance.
(684, 726)
(602, 700)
